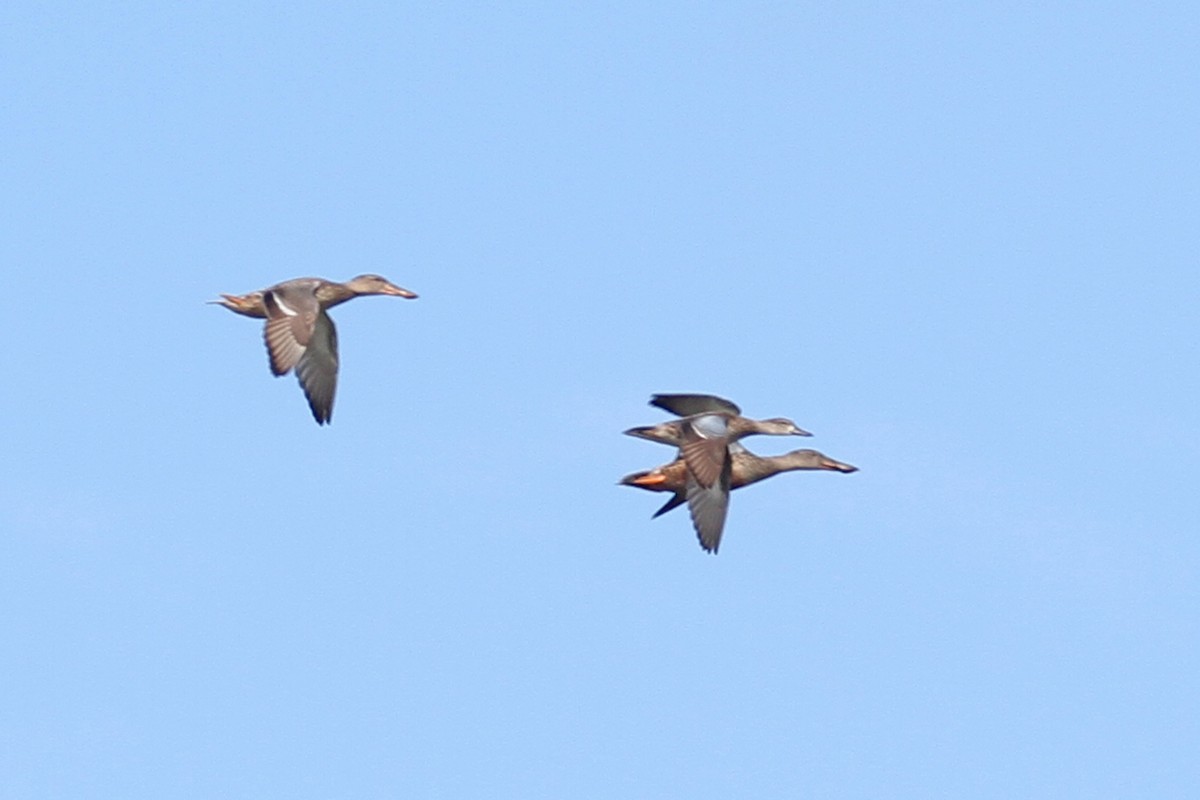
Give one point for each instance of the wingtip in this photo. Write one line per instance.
(674, 502)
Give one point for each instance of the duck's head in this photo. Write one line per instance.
(781, 426)
(377, 284)
(813, 459)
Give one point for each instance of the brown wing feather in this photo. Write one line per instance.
(675, 501)
(291, 319)
(686, 405)
(317, 369)
(282, 348)
(709, 507)
(706, 459)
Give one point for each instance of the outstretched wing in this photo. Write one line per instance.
(317, 369)
(708, 507)
(687, 405)
(291, 320)
(675, 502)
(705, 450)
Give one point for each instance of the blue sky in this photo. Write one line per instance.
(957, 243)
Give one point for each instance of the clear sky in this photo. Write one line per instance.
(956, 241)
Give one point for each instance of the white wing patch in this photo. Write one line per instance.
(284, 307)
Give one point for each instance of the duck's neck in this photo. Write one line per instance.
(330, 294)
(754, 468)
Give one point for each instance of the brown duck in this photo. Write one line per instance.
(706, 437)
(693, 405)
(300, 335)
(745, 468)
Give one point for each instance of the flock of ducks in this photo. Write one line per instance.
(711, 462)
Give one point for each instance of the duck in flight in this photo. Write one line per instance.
(745, 468)
(692, 406)
(300, 335)
(707, 437)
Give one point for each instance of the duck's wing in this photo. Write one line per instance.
(317, 369)
(709, 506)
(705, 450)
(705, 447)
(301, 336)
(675, 502)
(291, 320)
(687, 405)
